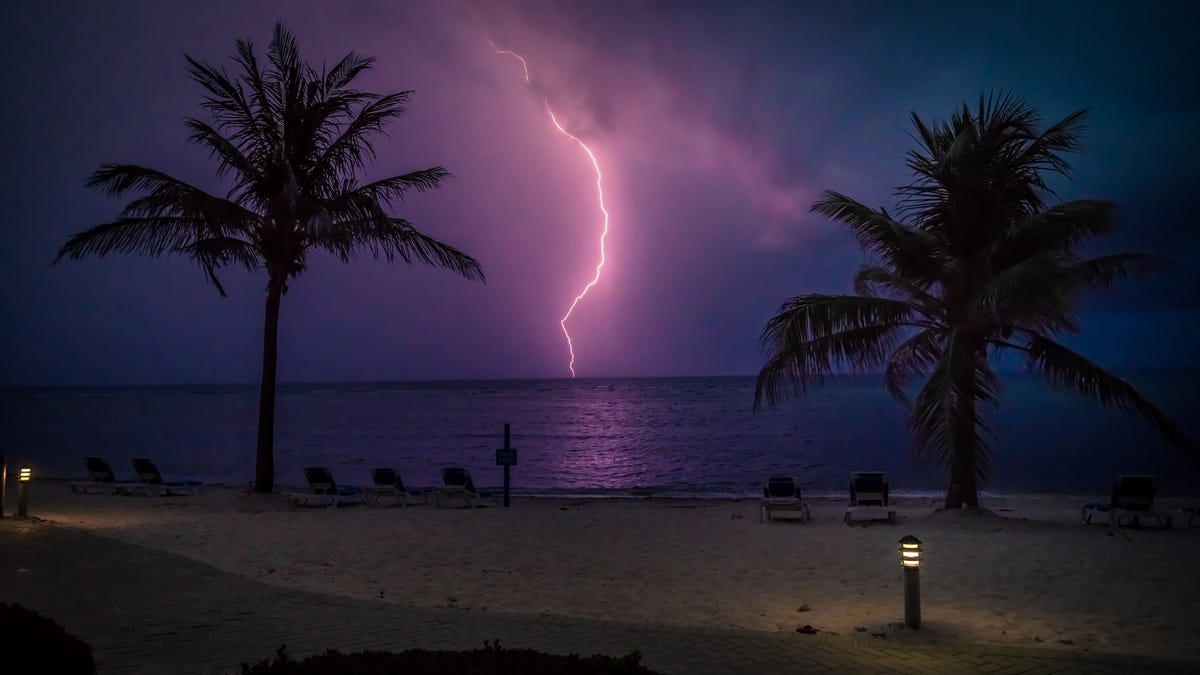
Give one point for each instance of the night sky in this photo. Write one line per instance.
(715, 125)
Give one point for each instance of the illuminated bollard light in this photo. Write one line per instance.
(910, 560)
(23, 490)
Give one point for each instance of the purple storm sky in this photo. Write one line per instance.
(715, 124)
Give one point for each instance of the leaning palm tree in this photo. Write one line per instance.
(292, 140)
(974, 263)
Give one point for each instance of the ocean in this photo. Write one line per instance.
(612, 437)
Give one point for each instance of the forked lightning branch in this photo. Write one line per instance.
(599, 195)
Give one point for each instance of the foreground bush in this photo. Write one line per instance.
(491, 660)
(32, 644)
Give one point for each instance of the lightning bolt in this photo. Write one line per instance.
(599, 194)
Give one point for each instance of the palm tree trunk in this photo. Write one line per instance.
(964, 483)
(264, 467)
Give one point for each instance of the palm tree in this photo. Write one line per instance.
(292, 139)
(974, 264)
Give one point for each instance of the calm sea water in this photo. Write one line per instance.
(671, 436)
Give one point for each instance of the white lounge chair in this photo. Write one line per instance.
(147, 471)
(456, 481)
(1187, 515)
(869, 498)
(782, 493)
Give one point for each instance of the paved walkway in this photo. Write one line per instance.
(148, 611)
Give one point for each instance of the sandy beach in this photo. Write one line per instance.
(1027, 573)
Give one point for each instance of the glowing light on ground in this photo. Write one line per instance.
(599, 195)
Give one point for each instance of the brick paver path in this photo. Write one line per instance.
(148, 611)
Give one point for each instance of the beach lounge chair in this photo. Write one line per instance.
(456, 481)
(1132, 499)
(389, 484)
(869, 497)
(782, 493)
(147, 471)
(104, 481)
(1188, 515)
(325, 491)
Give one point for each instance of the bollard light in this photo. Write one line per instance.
(910, 560)
(910, 551)
(23, 476)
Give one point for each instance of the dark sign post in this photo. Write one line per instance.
(506, 457)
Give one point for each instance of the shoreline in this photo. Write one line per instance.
(1102, 494)
(1026, 572)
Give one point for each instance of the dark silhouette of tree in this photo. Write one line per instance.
(975, 263)
(292, 140)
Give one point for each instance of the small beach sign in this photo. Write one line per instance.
(506, 457)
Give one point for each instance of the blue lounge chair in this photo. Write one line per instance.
(104, 481)
(1132, 499)
(782, 493)
(324, 490)
(147, 471)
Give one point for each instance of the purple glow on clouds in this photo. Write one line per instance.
(715, 125)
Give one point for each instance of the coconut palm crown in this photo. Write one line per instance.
(974, 263)
(292, 140)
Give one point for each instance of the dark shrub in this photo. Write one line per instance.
(32, 644)
(491, 660)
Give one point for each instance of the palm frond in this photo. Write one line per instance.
(1066, 135)
(1060, 228)
(391, 238)
(870, 279)
(225, 100)
(814, 334)
(169, 196)
(908, 251)
(344, 72)
(145, 236)
(262, 130)
(1067, 369)
(950, 408)
(990, 160)
(1037, 294)
(1103, 271)
(388, 189)
(229, 155)
(913, 358)
(217, 252)
(352, 147)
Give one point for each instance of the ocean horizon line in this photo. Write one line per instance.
(833, 379)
